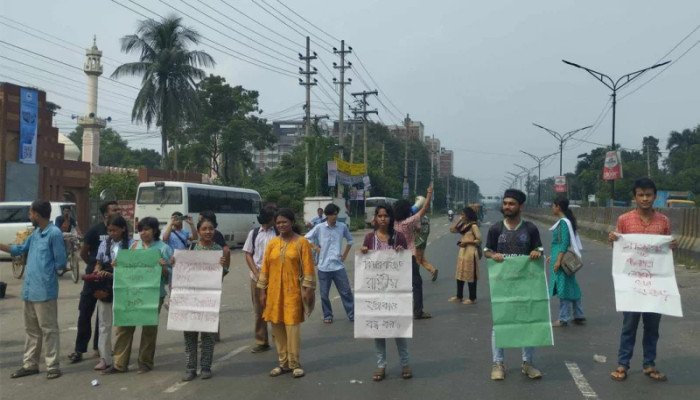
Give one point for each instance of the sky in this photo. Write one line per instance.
(476, 73)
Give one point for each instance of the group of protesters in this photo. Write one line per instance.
(285, 268)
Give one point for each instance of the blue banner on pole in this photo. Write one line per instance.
(29, 106)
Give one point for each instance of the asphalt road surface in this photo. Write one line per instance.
(450, 353)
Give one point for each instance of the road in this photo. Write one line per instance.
(450, 354)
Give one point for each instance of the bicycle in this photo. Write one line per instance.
(72, 243)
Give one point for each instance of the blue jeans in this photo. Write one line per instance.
(342, 283)
(401, 346)
(630, 322)
(565, 310)
(498, 356)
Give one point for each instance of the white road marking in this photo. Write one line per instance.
(581, 382)
(178, 385)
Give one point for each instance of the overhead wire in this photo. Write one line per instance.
(295, 23)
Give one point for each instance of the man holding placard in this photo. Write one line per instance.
(640, 268)
(505, 242)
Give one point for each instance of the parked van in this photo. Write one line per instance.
(14, 217)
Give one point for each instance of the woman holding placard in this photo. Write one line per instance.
(101, 281)
(288, 280)
(205, 230)
(564, 237)
(385, 237)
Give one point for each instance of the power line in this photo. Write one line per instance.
(277, 18)
(308, 22)
(357, 57)
(259, 23)
(292, 21)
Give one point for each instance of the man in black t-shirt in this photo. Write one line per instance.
(86, 305)
(513, 237)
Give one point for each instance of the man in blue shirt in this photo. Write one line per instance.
(46, 253)
(328, 237)
(175, 235)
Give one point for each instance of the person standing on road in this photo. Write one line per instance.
(513, 237)
(87, 303)
(328, 239)
(149, 232)
(564, 237)
(175, 235)
(421, 240)
(645, 220)
(102, 282)
(468, 256)
(407, 225)
(46, 253)
(254, 249)
(205, 230)
(317, 219)
(288, 283)
(385, 238)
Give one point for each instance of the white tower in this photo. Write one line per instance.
(90, 123)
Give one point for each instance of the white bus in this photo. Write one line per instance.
(371, 204)
(236, 209)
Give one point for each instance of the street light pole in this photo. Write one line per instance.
(562, 139)
(539, 161)
(615, 85)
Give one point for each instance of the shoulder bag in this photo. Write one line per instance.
(570, 263)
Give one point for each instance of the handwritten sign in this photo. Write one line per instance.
(137, 288)
(520, 303)
(644, 276)
(383, 294)
(195, 297)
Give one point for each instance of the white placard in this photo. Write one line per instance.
(644, 275)
(383, 294)
(195, 297)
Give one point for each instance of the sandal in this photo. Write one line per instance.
(406, 373)
(469, 301)
(277, 371)
(22, 372)
(328, 320)
(298, 373)
(75, 357)
(379, 374)
(655, 374)
(53, 374)
(620, 374)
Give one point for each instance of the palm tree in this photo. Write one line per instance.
(169, 73)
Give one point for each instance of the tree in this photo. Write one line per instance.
(115, 151)
(223, 129)
(169, 73)
(122, 186)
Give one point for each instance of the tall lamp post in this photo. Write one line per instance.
(562, 139)
(539, 161)
(615, 85)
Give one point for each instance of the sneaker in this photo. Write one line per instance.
(454, 299)
(531, 372)
(205, 374)
(498, 372)
(260, 348)
(189, 375)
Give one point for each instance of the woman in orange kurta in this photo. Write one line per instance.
(288, 281)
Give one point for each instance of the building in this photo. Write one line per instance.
(432, 144)
(33, 162)
(416, 130)
(90, 122)
(445, 163)
(289, 134)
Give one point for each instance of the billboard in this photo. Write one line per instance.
(612, 169)
(28, 109)
(560, 184)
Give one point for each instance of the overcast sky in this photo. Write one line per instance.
(476, 73)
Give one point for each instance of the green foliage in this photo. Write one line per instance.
(168, 71)
(115, 151)
(122, 186)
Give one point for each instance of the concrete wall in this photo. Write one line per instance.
(596, 222)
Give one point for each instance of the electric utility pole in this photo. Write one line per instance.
(406, 122)
(615, 86)
(308, 83)
(364, 113)
(562, 139)
(341, 89)
(539, 161)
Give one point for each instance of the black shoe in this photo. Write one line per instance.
(579, 321)
(189, 375)
(260, 348)
(22, 372)
(423, 315)
(75, 357)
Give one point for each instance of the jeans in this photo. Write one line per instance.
(630, 322)
(401, 346)
(417, 283)
(342, 283)
(565, 309)
(86, 307)
(498, 356)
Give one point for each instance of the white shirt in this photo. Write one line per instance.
(257, 251)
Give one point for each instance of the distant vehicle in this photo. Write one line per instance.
(492, 202)
(371, 204)
(14, 217)
(312, 204)
(236, 209)
(680, 204)
(663, 197)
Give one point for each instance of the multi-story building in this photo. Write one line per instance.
(416, 130)
(446, 163)
(432, 144)
(289, 134)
